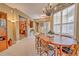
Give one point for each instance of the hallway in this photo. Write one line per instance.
(54, 25)
(24, 47)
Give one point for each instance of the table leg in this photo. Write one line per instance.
(60, 50)
(56, 51)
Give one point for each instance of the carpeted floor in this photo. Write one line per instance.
(24, 47)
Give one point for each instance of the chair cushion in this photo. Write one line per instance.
(50, 47)
(67, 50)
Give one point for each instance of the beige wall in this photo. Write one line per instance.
(17, 13)
(51, 23)
(6, 9)
(12, 16)
(77, 22)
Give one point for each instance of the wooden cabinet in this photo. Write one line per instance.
(3, 31)
(3, 45)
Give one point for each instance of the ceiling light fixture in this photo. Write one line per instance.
(48, 10)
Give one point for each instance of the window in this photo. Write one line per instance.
(71, 18)
(68, 15)
(57, 22)
(66, 22)
(46, 27)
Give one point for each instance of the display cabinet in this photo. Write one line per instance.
(3, 31)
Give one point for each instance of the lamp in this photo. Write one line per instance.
(48, 10)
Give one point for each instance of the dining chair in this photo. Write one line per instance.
(43, 47)
(52, 50)
(48, 49)
(37, 43)
(70, 50)
(75, 49)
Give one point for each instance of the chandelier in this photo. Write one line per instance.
(55, 8)
(48, 10)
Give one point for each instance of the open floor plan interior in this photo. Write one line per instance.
(39, 29)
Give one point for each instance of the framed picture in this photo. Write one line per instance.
(22, 26)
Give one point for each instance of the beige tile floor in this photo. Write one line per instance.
(24, 47)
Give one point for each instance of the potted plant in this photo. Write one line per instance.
(50, 32)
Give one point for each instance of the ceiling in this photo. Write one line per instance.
(34, 10)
